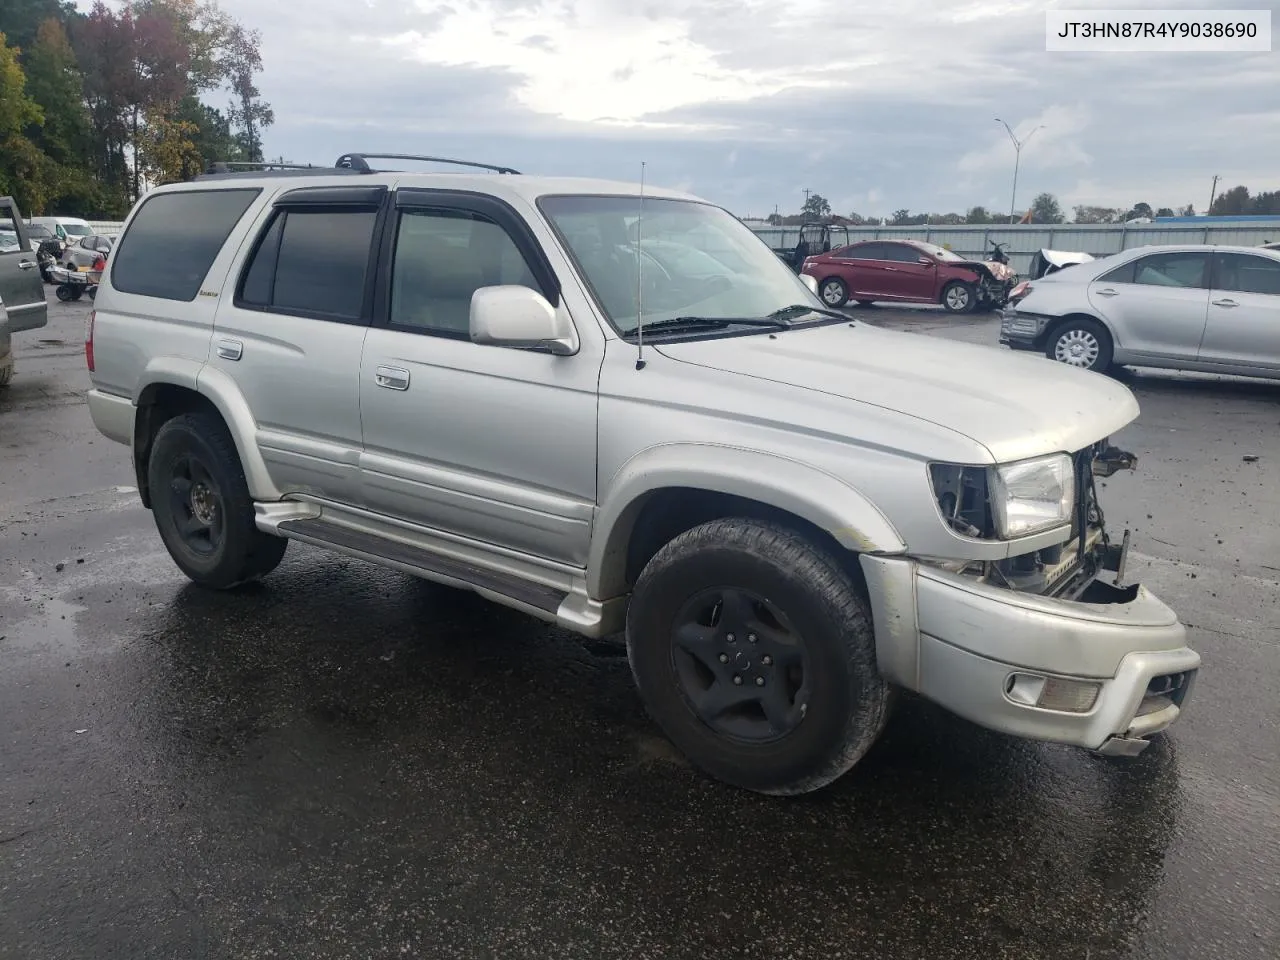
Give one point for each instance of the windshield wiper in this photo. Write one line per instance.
(683, 324)
(796, 309)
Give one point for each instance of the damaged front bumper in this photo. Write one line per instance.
(1104, 669)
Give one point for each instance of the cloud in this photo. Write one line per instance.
(873, 106)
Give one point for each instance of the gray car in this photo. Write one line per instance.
(22, 301)
(1188, 307)
(619, 411)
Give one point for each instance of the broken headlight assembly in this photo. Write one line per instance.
(1008, 500)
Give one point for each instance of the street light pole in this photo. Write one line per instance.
(1017, 159)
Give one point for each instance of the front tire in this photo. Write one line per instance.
(1082, 343)
(202, 506)
(753, 650)
(958, 297)
(833, 291)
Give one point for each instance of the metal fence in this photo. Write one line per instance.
(1021, 242)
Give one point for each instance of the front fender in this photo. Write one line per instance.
(819, 497)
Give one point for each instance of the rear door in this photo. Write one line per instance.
(1244, 312)
(21, 289)
(1156, 305)
(865, 269)
(291, 335)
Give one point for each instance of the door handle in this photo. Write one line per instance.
(393, 378)
(26, 264)
(1108, 292)
(1225, 302)
(230, 349)
(891, 269)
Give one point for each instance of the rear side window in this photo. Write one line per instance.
(174, 239)
(1247, 274)
(311, 262)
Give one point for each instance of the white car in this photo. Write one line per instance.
(1188, 307)
(66, 229)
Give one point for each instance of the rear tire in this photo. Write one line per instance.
(202, 507)
(833, 291)
(809, 700)
(1080, 342)
(958, 297)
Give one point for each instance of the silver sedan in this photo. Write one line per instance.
(1187, 307)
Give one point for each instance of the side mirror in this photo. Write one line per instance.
(810, 282)
(516, 316)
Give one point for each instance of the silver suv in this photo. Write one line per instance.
(617, 409)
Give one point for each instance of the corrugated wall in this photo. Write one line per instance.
(1023, 241)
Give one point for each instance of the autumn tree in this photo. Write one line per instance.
(24, 170)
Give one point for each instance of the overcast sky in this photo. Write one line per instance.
(874, 105)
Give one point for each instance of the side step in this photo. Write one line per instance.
(536, 598)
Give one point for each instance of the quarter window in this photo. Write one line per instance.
(173, 240)
(443, 257)
(312, 262)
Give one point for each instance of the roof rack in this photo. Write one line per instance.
(360, 161)
(348, 163)
(224, 166)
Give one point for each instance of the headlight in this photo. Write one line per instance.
(1005, 501)
(1032, 495)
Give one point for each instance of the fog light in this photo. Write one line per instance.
(1051, 693)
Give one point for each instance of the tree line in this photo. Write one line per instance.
(95, 107)
(1045, 208)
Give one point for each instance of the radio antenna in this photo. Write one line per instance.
(640, 278)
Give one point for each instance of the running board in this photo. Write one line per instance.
(535, 598)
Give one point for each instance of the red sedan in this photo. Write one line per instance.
(904, 271)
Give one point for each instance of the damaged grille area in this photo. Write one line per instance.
(1067, 570)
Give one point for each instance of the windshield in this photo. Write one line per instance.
(698, 260)
(76, 229)
(940, 253)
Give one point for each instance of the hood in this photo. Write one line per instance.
(1015, 405)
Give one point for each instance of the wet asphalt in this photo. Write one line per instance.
(347, 762)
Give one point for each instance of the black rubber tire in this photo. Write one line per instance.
(66, 293)
(837, 287)
(1102, 363)
(6, 376)
(245, 553)
(970, 302)
(849, 702)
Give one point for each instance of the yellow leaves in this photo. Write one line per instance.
(167, 146)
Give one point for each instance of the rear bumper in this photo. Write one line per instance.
(977, 650)
(112, 415)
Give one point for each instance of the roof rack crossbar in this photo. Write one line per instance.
(360, 161)
(226, 166)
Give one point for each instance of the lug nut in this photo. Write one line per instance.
(731, 638)
(759, 681)
(751, 638)
(737, 680)
(767, 660)
(724, 658)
